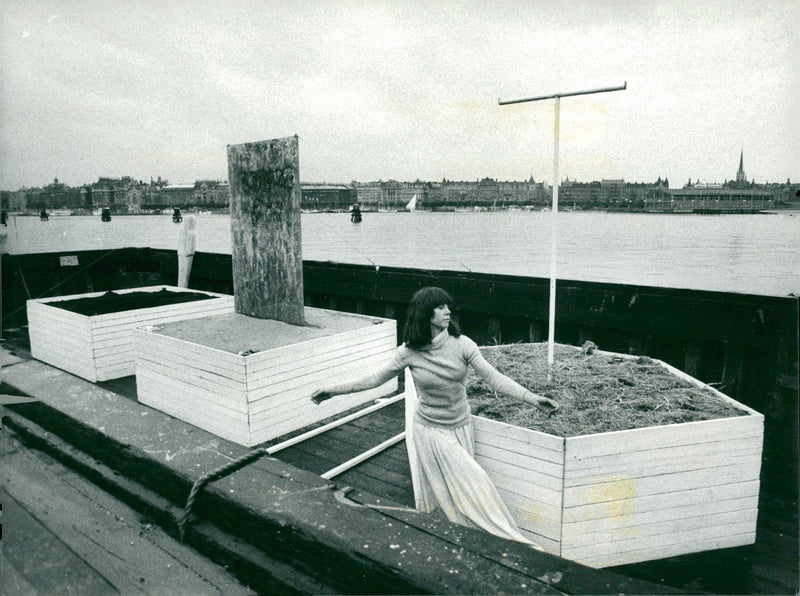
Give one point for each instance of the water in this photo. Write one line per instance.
(754, 254)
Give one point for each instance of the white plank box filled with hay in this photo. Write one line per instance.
(640, 462)
(89, 335)
(248, 376)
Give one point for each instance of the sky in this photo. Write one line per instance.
(401, 89)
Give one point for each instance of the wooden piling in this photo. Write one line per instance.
(264, 180)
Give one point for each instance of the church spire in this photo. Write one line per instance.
(740, 177)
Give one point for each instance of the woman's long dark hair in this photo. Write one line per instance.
(417, 331)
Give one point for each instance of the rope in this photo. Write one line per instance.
(211, 476)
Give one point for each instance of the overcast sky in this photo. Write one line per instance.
(400, 89)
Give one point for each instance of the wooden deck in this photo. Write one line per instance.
(770, 566)
(767, 567)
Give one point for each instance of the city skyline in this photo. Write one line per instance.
(401, 91)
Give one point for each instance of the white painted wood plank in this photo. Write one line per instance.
(267, 428)
(82, 367)
(532, 437)
(731, 443)
(204, 404)
(194, 376)
(283, 383)
(161, 315)
(524, 461)
(284, 356)
(298, 407)
(625, 488)
(523, 482)
(645, 543)
(638, 439)
(263, 378)
(179, 380)
(660, 501)
(656, 522)
(669, 550)
(529, 509)
(153, 347)
(710, 463)
(172, 344)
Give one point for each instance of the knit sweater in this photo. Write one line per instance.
(440, 372)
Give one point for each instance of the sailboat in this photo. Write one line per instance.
(412, 204)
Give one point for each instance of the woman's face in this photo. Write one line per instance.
(441, 317)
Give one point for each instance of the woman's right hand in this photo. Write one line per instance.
(320, 395)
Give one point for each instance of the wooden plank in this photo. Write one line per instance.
(531, 437)
(687, 433)
(262, 377)
(300, 411)
(82, 367)
(285, 355)
(524, 461)
(670, 550)
(313, 375)
(264, 181)
(191, 398)
(637, 522)
(160, 315)
(188, 347)
(707, 460)
(196, 378)
(624, 488)
(661, 501)
(528, 509)
(266, 430)
(523, 487)
(153, 396)
(190, 354)
(687, 532)
(576, 468)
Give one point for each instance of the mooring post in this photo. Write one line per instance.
(264, 181)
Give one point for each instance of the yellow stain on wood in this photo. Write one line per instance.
(614, 500)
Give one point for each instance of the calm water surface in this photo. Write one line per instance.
(758, 254)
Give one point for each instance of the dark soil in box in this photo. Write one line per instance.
(596, 392)
(113, 302)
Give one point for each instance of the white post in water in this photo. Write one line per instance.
(554, 214)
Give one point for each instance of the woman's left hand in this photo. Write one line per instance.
(545, 404)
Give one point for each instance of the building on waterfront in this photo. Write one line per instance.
(711, 199)
(327, 197)
(615, 194)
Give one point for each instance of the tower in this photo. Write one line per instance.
(740, 177)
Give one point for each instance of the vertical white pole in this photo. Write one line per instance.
(553, 246)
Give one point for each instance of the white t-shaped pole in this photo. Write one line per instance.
(554, 213)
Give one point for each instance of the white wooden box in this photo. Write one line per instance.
(250, 380)
(629, 496)
(99, 347)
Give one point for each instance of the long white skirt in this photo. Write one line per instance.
(447, 476)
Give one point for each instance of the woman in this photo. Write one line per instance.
(444, 470)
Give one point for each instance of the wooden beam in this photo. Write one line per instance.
(264, 180)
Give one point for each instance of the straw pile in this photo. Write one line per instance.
(596, 392)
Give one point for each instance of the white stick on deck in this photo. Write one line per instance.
(326, 427)
(364, 456)
(554, 215)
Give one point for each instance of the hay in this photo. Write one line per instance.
(596, 392)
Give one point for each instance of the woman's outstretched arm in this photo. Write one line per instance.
(368, 381)
(506, 385)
